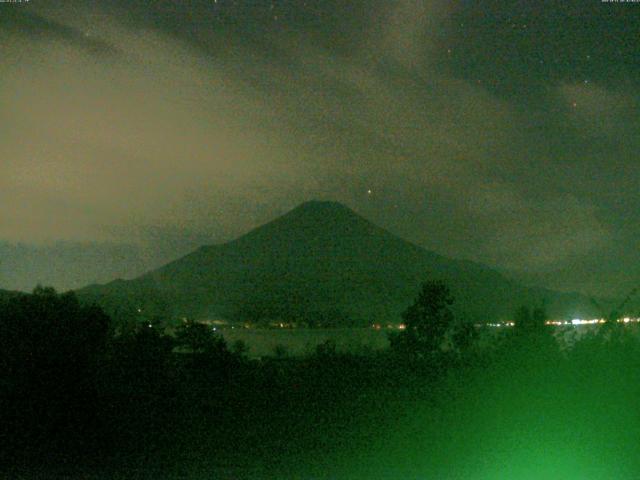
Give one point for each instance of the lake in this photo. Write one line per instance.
(302, 341)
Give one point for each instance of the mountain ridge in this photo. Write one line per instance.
(318, 260)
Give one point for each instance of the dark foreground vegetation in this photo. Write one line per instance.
(448, 400)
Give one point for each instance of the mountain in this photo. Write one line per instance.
(7, 294)
(321, 262)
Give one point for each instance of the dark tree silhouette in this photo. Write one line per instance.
(145, 352)
(280, 351)
(327, 349)
(532, 340)
(205, 353)
(50, 352)
(612, 317)
(427, 320)
(199, 338)
(463, 336)
(530, 320)
(240, 348)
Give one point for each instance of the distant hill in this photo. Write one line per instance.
(321, 262)
(6, 294)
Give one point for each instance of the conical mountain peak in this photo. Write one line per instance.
(324, 206)
(323, 212)
(322, 260)
(314, 219)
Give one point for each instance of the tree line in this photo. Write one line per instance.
(75, 391)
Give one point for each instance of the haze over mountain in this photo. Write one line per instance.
(321, 262)
(68, 265)
(450, 123)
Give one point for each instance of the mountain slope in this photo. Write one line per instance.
(321, 261)
(7, 294)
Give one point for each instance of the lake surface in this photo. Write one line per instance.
(302, 341)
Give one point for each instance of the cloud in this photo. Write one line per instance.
(597, 110)
(29, 24)
(126, 140)
(209, 119)
(541, 233)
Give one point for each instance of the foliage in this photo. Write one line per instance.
(529, 320)
(532, 339)
(199, 338)
(137, 402)
(426, 321)
(50, 353)
(280, 351)
(464, 336)
(240, 348)
(327, 349)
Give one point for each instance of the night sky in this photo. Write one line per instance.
(502, 132)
